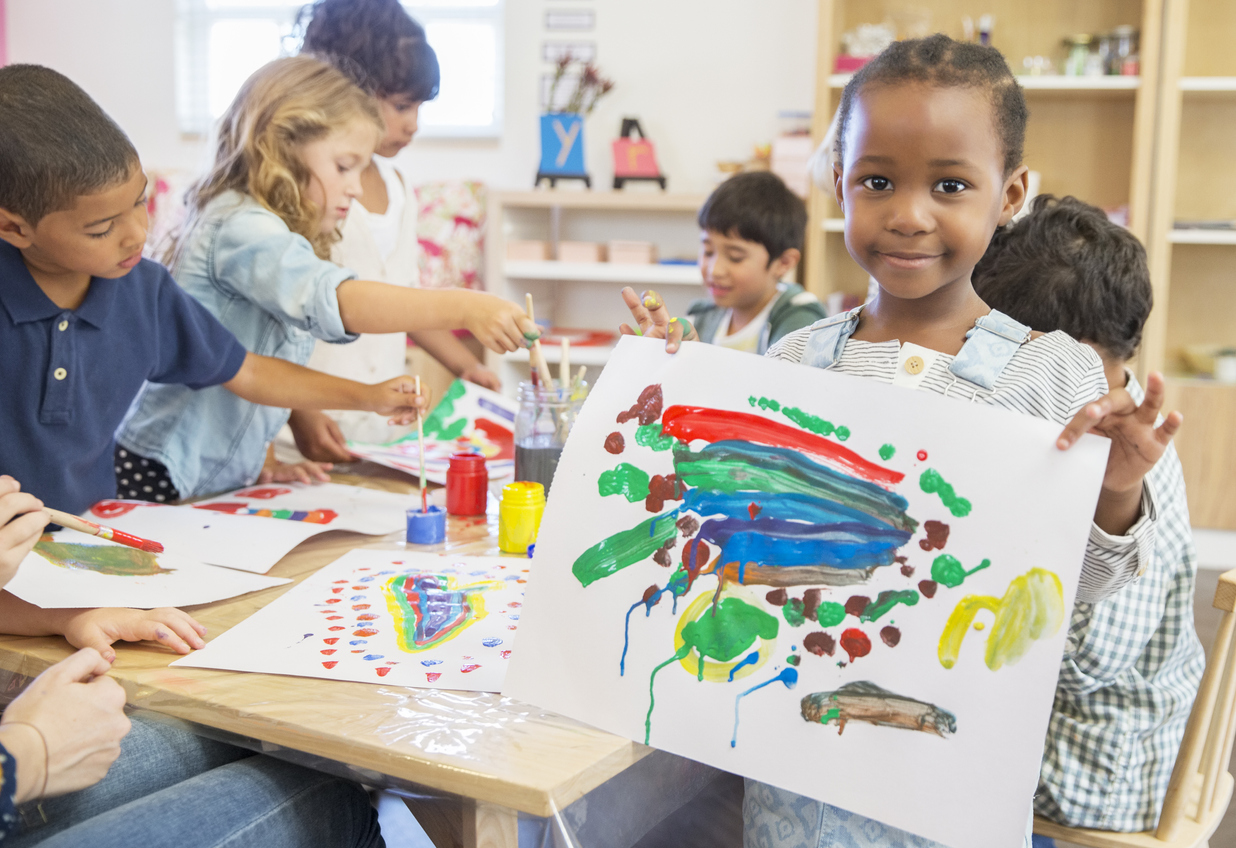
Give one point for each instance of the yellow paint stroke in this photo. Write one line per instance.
(719, 672)
(1031, 609)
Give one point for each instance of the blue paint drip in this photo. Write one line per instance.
(750, 659)
(788, 676)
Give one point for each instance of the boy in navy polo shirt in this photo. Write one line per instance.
(85, 321)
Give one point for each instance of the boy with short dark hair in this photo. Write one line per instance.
(751, 236)
(1132, 661)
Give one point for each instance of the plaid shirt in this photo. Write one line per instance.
(1132, 665)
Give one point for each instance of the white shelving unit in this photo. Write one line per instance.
(1200, 236)
(1047, 82)
(605, 272)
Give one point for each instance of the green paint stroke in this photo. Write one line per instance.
(932, 483)
(830, 614)
(948, 571)
(112, 560)
(649, 435)
(807, 421)
(436, 425)
(626, 547)
(625, 480)
(885, 601)
(829, 715)
(886, 452)
(793, 612)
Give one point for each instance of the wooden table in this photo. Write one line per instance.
(483, 758)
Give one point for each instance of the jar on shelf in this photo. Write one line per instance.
(1125, 51)
(544, 421)
(1079, 54)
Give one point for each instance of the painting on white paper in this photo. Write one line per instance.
(71, 569)
(330, 506)
(403, 619)
(469, 418)
(853, 591)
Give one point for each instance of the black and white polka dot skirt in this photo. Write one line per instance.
(141, 479)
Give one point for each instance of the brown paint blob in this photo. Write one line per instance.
(651, 592)
(856, 604)
(662, 556)
(647, 409)
(688, 525)
(777, 597)
(614, 443)
(937, 536)
(891, 636)
(855, 643)
(820, 643)
(660, 490)
(811, 602)
(928, 588)
(907, 571)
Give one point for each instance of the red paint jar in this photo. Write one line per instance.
(467, 484)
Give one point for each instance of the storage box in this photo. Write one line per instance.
(632, 252)
(527, 251)
(581, 251)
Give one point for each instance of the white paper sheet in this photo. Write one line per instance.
(1018, 514)
(72, 569)
(391, 617)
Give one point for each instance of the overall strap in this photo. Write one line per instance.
(990, 345)
(828, 338)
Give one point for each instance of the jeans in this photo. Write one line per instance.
(172, 788)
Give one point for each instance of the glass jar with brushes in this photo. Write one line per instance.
(546, 415)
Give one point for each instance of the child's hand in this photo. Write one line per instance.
(654, 320)
(300, 472)
(17, 535)
(498, 324)
(482, 376)
(318, 437)
(398, 399)
(99, 628)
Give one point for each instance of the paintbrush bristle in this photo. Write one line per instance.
(151, 547)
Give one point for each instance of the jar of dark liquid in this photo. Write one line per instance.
(542, 425)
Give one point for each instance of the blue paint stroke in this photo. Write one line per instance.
(750, 659)
(788, 676)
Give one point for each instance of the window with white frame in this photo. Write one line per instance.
(221, 42)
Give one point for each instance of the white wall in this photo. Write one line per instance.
(705, 77)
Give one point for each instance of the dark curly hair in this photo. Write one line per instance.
(1065, 266)
(939, 60)
(378, 38)
(756, 206)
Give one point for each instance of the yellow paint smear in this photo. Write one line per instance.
(1032, 608)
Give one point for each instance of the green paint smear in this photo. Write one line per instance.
(886, 452)
(627, 547)
(807, 421)
(649, 435)
(828, 716)
(885, 601)
(932, 483)
(625, 480)
(948, 571)
(436, 425)
(793, 612)
(830, 614)
(793, 659)
(116, 561)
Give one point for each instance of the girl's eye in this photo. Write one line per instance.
(102, 234)
(950, 186)
(877, 183)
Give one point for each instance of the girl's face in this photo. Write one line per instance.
(400, 112)
(335, 162)
(923, 186)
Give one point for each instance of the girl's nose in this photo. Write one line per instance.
(910, 214)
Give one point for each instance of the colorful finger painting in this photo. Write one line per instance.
(70, 569)
(469, 418)
(783, 583)
(401, 619)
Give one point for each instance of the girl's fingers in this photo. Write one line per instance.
(627, 330)
(658, 313)
(15, 504)
(183, 626)
(164, 634)
(1170, 427)
(635, 303)
(673, 335)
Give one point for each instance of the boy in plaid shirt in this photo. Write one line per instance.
(1132, 662)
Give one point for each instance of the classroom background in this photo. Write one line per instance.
(1133, 108)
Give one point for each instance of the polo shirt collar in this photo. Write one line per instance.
(25, 301)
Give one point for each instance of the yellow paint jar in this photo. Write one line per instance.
(519, 516)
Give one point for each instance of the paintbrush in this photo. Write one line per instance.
(564, 369)
(81, 525)
(420, 449)
(537, 357)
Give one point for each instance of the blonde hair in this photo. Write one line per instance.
(281, 107)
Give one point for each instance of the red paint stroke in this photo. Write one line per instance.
(855, 643)
(365, 632)
(753, 510)
(360, 588)
(263, 493)
(688, 423)
(360, 606)
(337, 589)
(498, 434)
(332, 640)
(614, 443)
(922, 456)
(506, 655)
(332, 617)
(470, 667)
(647, 409)
(332, 600)
(928, 588)
(891, 636)
(337, 628)
(515, 604)
(366, 617)
(338, 581)
(432, 676)
(510, 627)
(111, 509)
(383, 671)
(331, 664)
(326, 651)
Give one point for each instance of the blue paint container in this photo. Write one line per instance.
(426, 528)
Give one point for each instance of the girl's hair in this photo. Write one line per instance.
(281, 107)
(376, 37)
(940, 61)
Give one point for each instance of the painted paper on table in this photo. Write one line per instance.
(71, 569)
(403, 619)
(469, 418)
(329, 506)
(854, 591)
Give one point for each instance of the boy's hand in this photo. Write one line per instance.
(482, 376)
(398, 399)
(99, 628)
(318, 437)
(498, 324)
(299, 472)
(654, 320)
(17, 535)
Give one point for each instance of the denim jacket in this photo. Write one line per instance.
(266, 285)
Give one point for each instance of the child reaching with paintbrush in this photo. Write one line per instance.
(929, 146)
(290, 152)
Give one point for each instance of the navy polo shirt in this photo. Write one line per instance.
(67, 377)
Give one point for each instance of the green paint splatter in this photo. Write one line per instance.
(113, 560)
(751, 400)
(793, 659)
(830, 614)
(885, 601)
(886, 452)
(842, 433)
(627, 547)
(765, 403)
(625, 480)
(829, 715)
(948, 571)
(436, 423)
(649, 435)
(931, 482)
(793, 612)
(681, 654)
(807, 421)
(728, 629)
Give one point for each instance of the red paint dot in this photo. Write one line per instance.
(506, 655)
(433, 676)
(332, 600)
(339, 581)
(331, 664)
(360, 606)
(855, 643)
(364, 632)
(328, 651)
(332, 640)
(337, 589)
(382, 672)
(470, 667)
(333, 617)
(337, 628)
(922, 456)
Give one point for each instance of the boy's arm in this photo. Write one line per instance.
(369, 307)
(271, 381)
(454, 355)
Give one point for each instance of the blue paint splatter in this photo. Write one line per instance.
(492, 642)
(788, 676)
(373, 656)
(367, 578)
(357, 598)
(750, 659)
(358, 641)
(431, 662)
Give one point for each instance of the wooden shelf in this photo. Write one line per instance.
(1048, 82)
(1197, 236)
(604, 272)
(1213, 85)
(603, 200)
